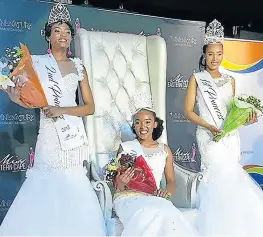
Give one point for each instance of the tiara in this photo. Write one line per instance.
(58, 13)
(214, 33)
(141, 101)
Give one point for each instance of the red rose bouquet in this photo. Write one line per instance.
(143, 179)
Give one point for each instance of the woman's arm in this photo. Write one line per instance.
(169, 171)
(233, 86)
(14, 95)
(20, 103)
(189, 104)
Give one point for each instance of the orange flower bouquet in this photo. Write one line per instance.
(20, 62)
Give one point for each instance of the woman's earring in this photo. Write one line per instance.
(69, 51)
(49, 48)
(203, 61)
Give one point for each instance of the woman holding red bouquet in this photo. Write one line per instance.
(143, 214)
(57, 198)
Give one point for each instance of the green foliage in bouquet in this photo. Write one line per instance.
(13, 56)
(239, 110)
(253, 101)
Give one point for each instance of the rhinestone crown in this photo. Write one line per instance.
(214, 33)
(59, 12)
(141, 101)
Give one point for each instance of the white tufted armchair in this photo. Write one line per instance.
(119, 67)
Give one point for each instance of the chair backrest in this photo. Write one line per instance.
(120, 66)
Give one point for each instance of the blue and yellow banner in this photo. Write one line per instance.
(244, 61)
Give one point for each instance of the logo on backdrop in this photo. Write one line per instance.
(13, 163)
(16, 163)
(14, 25)
(179, 81)
(178, 117)
(16, 118)
(181, 155)
(5, 204)
(31, 157)
(182, 41)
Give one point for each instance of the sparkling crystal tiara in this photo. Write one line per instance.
(214, 33)
(141, 101)
(58, 12)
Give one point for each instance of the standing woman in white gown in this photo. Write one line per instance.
(230, 202)
(57, 197)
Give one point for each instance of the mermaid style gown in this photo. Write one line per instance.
(230, 202)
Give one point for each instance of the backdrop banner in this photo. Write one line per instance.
(244, 61)
(18, 126)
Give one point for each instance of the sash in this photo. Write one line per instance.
(133, 147)
(70, 129)
(215, 103)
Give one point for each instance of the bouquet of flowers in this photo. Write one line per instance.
(17, 67)
(143, 179)
(239, 110)
(4, 72)
(118, 165)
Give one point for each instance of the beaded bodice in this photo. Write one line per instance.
(48, 153)
(156, 159)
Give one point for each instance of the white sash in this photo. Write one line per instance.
(212, 97)
(133, 147)
(70, 129)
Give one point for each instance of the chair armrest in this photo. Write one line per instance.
(101, 188)
(105, 197)
(195, 182)
(187, 182)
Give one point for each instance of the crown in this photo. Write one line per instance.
(142, 100)
(214, 33)
(58, 13)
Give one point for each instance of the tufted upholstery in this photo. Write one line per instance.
(120, 66)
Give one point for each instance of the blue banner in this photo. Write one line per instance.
(24, 21)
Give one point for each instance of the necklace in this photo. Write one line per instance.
(153, 145)
(221, 81)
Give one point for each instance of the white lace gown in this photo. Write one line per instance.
(143, 215)
(230, 202)
(57, 198)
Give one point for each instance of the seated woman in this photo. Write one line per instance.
(142, 214)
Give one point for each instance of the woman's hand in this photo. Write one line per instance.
(14, 92)
(214, 130)
(163, 193)
(124, 179)
(252, 118)
(52, 111)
